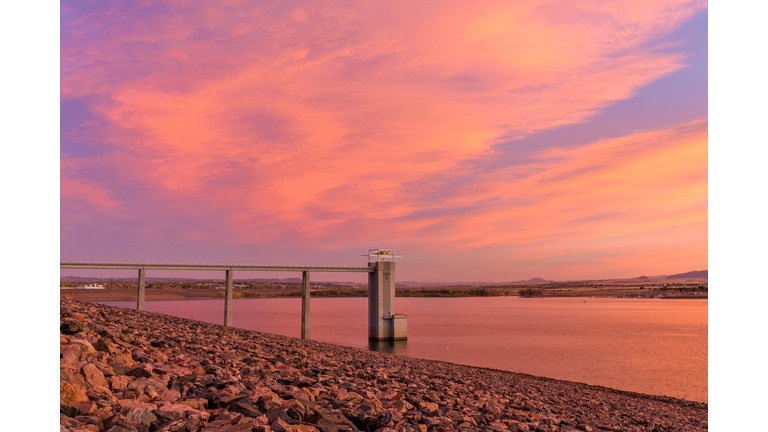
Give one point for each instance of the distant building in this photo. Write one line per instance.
(92, 286)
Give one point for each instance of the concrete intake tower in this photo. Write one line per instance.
(383, 322)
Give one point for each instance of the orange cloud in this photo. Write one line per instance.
(318, 122)
(610, 202)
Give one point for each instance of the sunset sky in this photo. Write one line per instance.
(484, 141)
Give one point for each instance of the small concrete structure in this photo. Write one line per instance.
(399, 326)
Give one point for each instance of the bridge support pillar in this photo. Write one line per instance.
(228, 287)
(383, 322)
(140, 294)
(305, 304)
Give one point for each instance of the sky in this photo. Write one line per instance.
(483, 141)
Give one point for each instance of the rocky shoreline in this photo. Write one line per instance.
(123, 370)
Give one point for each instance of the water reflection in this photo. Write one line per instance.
(649, 346)
(391, 347)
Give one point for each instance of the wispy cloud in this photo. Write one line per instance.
(312, 123)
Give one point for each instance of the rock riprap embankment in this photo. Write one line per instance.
(123, 370)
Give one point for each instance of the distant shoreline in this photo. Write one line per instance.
(154, 294)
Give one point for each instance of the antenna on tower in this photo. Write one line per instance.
(380, 255)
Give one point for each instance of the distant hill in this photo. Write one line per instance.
(691, 274)
(457, 284)
(700, 274)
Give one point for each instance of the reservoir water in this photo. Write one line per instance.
(645, 345)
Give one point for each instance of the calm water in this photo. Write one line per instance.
(649, 346)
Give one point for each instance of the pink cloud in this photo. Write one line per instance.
(639, 195)
(316, 122)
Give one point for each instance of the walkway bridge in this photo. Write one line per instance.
(383, 323)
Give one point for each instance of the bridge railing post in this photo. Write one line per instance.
(228, 287)
(305, 304)
(140, 293)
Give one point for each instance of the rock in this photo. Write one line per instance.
(68, 410)
(119, 382)
(455, 416)
(171, 395)
(71, 326)
(86, 349)
(93, 376)
(518, 427)
(69, 422)
(196, 403)
(178, 410)
(71, 351)
(85, 428)
(145, 384)
(280, 425)
(244, 427)
(69, 393)
(123, 359)
(105, 369)
(119, 428)
(330, 422)
(228, 399)
(246, 408)
(117, 419)
(303, 428)
(125, 404)
(105, 345)
(139, 416)
(71, 374)
(428, 406)
(230, 417)
(172, 426)
(105, 332)
(140, 370)
(85, 407)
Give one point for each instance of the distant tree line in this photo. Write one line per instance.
(455, 292)
(531, 292)
(685, 288)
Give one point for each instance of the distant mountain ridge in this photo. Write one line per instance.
(476, 283)
(691, 274)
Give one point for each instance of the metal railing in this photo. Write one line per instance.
(192, 266)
